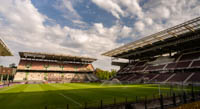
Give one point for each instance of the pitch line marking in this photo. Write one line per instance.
(70, 99)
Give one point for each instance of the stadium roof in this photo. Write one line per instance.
(4, 51)
(59, 57)
(191, 26)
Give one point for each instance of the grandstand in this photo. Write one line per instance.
(5, 72)
(43, 67)
(169, 56)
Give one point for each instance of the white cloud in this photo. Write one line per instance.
(110, 6)
(98, 27)
(132, 7)
(125, 31)
(66, 7)
(119, 8)
(159, 12)
(78, 22)
(139, 26)
(162, 14)
(148, 21)
(23, 29)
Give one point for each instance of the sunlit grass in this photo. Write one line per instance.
(37, 96)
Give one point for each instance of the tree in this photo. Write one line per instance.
(104, 75)
(13, 65)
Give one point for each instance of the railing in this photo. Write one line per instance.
(155, 101)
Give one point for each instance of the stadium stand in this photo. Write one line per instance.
(162, 77)
(195, 64)
(169, 56)
(20, 76)
(52, 66)
(5, 72)
(195, 78)
(179, 77)
(40, 67)
(190, 56)
(155, 68)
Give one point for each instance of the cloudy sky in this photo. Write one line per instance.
(86, 27)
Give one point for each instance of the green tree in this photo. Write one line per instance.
(104, 75)
(13, 65)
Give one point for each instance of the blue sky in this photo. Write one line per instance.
(89, 13)
(86, 27)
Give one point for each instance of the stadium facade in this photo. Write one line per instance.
(169, 56)
(44, 67)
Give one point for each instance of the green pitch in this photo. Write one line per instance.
(57, 96)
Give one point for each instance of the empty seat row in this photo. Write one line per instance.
(169, 66)
(180, 77)
(53, 66)
(38, 76)
(190, 56)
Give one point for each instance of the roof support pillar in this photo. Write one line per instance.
(170, 52)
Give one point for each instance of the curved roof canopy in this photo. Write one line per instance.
(173, 32)
(58, 57)
(4, 51)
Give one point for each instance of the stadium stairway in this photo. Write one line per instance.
(152, 80)
(188, 78)
(93, 77)
(154, 77)
(88, 76)
(169, 78)
(191, 64)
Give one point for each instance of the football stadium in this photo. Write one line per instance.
(100, 54)
(162, 72)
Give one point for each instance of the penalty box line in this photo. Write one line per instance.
(66, 97)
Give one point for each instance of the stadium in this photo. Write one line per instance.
(100, 54)
(38, 67)
(162, 72)
(169, 56)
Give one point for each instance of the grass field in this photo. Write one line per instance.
(56, 96)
